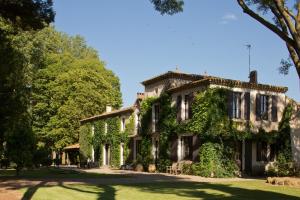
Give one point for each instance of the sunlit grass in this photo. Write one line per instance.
(168, 190)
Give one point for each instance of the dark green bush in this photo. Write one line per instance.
(162, 164)
(187, 168)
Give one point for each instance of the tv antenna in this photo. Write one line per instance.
(248, 46)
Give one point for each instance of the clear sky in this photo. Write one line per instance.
(136, 42)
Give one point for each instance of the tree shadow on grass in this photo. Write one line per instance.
(152, 185)
(106, 192)
(32, 190)
(208, 191)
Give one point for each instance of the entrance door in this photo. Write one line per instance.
(122, 154)
(107, 154)
(248, 156)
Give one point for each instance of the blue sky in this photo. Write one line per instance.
(136, 42)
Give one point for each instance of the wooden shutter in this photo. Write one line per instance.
(174, 144)
(247, 106)
(257, 108)
(274, 109)
(178, 107)
(229, 104)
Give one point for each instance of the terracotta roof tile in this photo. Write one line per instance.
(108, 114)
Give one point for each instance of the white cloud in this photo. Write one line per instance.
(227, 18)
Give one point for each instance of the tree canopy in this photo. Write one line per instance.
(27, 14)
(69, 83)
(285, 22)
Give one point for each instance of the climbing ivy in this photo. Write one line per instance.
(85, 141)
(114, 137)
(146, 129)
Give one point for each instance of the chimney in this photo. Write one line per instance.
(108, 108)
(253, 76)
(140, 95)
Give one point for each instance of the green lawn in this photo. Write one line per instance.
(166, 191)
(242, 190)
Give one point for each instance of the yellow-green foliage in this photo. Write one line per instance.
(85, 141)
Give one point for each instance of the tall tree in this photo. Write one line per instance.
(70, 82)
(285, 22)
(16, 17)
(27, 14)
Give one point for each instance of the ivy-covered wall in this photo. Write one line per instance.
(114, 137)
(211, 123)
(85, 142)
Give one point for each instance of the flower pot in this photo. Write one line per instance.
(151, 168)
(139, 168)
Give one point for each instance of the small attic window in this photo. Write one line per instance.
(156, 90)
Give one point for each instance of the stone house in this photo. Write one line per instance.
(260, 104)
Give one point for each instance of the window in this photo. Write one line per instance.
(265, 152)
(123, 124)
(274, 109)
(138, 147)
(156, 151)
(262, 107)
(262, 151)
(156, 91)
(178, 108)
(186, 107)
(138, 123)
(247, 106)
(236, 105)
(156, 116)
(187, 147)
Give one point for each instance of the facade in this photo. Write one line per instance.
(260, 105)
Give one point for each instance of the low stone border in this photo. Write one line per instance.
(289, 181)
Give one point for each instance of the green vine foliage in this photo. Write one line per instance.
(146, 122)
(85, 141)
(114, 137)
(98, 139)
(129, 130)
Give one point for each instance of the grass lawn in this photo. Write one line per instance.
(167, 191)
(52, 186)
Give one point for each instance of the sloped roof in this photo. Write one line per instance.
(109, 114)
(73, 146)
(207, 80)
(172, 74)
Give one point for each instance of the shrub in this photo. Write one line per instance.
(284, 167)
(210, 164)
(187, 168)
(215, 161)
(162, 164)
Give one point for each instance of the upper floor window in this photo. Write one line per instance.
(156, 116)
(262, 107)
(274, 109)
(178, 107)
(186, 107)
(123, 124)
(188, 100)
(138, 123)
(236, 105)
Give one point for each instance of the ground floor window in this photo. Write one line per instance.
(138, 147)
(187, 147)
(265, 152)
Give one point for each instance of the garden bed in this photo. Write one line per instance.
(288, 181)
